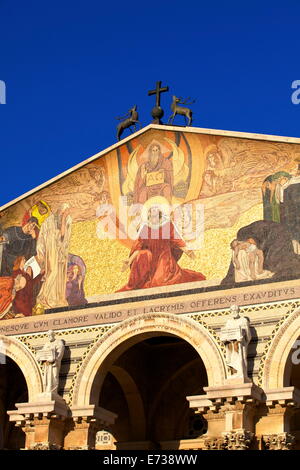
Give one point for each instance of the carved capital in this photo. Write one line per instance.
(85, 447)
(213, 443)
(281, 441)
(44, 446)
(237, 440)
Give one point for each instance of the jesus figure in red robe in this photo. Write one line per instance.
(154, 255)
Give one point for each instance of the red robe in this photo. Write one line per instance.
(24, 300)
(6, 287)
(156, 263)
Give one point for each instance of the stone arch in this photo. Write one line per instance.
(124, 335)
(275, 368)
(25, 360)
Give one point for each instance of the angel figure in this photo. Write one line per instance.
(233, 165)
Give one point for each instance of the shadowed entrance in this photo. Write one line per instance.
(13, 389)
(147, 385)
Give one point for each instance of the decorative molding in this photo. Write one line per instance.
(228, 395)
(288, 307)
(199, 319)
(183, 327)
(277, 333)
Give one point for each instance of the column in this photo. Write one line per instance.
(230, 411)
(84, 424)
(274, 427)
(43, 421)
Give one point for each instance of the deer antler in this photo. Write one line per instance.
(186, 101)
(124, 117)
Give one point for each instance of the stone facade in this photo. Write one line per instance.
(147, 368)
(260, 414)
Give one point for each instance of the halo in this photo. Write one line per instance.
(156, 201)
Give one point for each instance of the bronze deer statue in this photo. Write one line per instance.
(181, 110)
(130, 119)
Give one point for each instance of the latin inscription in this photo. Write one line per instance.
(17, 327)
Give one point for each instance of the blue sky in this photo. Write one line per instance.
(71, 67)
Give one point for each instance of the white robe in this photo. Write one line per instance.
(244, 274)
(51, 371)
(53, 250)
(236, 351)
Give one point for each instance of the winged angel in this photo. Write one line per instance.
(233, 164)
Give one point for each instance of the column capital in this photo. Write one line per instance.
(280, 441)
(240, 439)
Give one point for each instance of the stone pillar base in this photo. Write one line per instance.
(43, 421)
(84, 424)
(230, 411)
(277, 415)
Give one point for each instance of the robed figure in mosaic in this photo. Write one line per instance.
(52, 252)
(154, 256)
(154, 177)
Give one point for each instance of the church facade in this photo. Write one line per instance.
(150, 299)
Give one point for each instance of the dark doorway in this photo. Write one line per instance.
(13, 389)
(147, 386)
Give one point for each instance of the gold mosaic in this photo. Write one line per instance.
(104, 258)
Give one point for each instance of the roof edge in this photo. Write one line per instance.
(196, 130)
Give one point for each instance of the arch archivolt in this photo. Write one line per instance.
(23, 357)
(273, 376)
(124, 335)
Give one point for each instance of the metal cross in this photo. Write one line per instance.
(158, 90)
